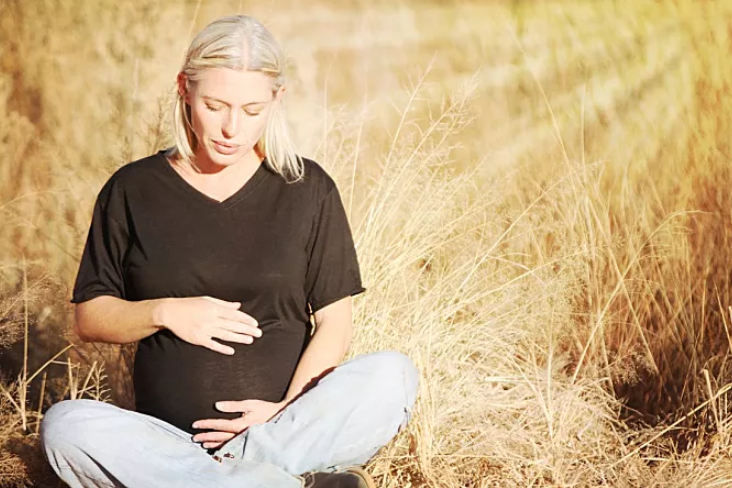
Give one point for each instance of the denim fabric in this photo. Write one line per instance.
(342, 421)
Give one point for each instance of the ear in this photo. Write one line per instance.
(280, 93)
(182, 83)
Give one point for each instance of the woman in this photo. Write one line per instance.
(213, 255)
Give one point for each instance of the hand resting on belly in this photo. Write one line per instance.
(200, 320)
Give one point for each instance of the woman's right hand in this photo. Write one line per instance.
(200, 320)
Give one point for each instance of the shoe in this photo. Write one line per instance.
(345, 478)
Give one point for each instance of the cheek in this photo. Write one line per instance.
(256, 127)
(204, 121)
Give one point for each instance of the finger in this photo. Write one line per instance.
(213, 437)
(239, 316)
(228, 336)
(221, 425)
(237, 328)
(248, 424)
(234, 406)
(212, 445)
(234, 305)
(218, 347)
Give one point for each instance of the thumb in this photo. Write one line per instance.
(232, 406)
(234, 305)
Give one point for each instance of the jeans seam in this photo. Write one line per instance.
(85, 476)
(407, 409)
(362, 446)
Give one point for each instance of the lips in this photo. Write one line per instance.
(223, 148)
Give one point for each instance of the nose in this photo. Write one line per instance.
(231, 124)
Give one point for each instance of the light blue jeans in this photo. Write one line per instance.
(342, 421)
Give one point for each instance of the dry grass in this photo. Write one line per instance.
(538, 192)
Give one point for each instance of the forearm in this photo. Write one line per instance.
(326, 350)
(117, 321)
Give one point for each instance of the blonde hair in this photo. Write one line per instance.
(242, 43)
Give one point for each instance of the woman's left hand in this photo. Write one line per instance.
(221, 430)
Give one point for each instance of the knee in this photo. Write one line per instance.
(394, 370)
(64, 423)
(391, 363)
(56, 420)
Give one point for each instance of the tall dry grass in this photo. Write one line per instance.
(538, 193)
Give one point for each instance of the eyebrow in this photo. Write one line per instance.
(214, 99)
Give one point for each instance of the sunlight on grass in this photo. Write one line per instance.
(538, 194)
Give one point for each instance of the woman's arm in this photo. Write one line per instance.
(196, 320)
(116, 321)
(327, 347)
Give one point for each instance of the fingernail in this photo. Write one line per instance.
(195, 425)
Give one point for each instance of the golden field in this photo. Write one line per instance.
(539, 194)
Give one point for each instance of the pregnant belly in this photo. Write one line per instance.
(179, 383)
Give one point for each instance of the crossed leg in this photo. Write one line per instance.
(342, 421)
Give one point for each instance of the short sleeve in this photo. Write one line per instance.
(333, 272)
(100, 269)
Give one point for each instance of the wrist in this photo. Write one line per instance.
(159, 313)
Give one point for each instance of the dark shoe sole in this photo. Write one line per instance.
(366, 481)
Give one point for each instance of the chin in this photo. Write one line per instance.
(224, 159)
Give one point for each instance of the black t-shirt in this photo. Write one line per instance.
(281, 249)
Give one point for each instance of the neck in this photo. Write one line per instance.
(201, 165)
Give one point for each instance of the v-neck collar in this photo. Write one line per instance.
(259, 174)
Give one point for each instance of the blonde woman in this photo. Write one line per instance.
(212, 256)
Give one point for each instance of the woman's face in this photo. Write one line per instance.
(229, 111)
